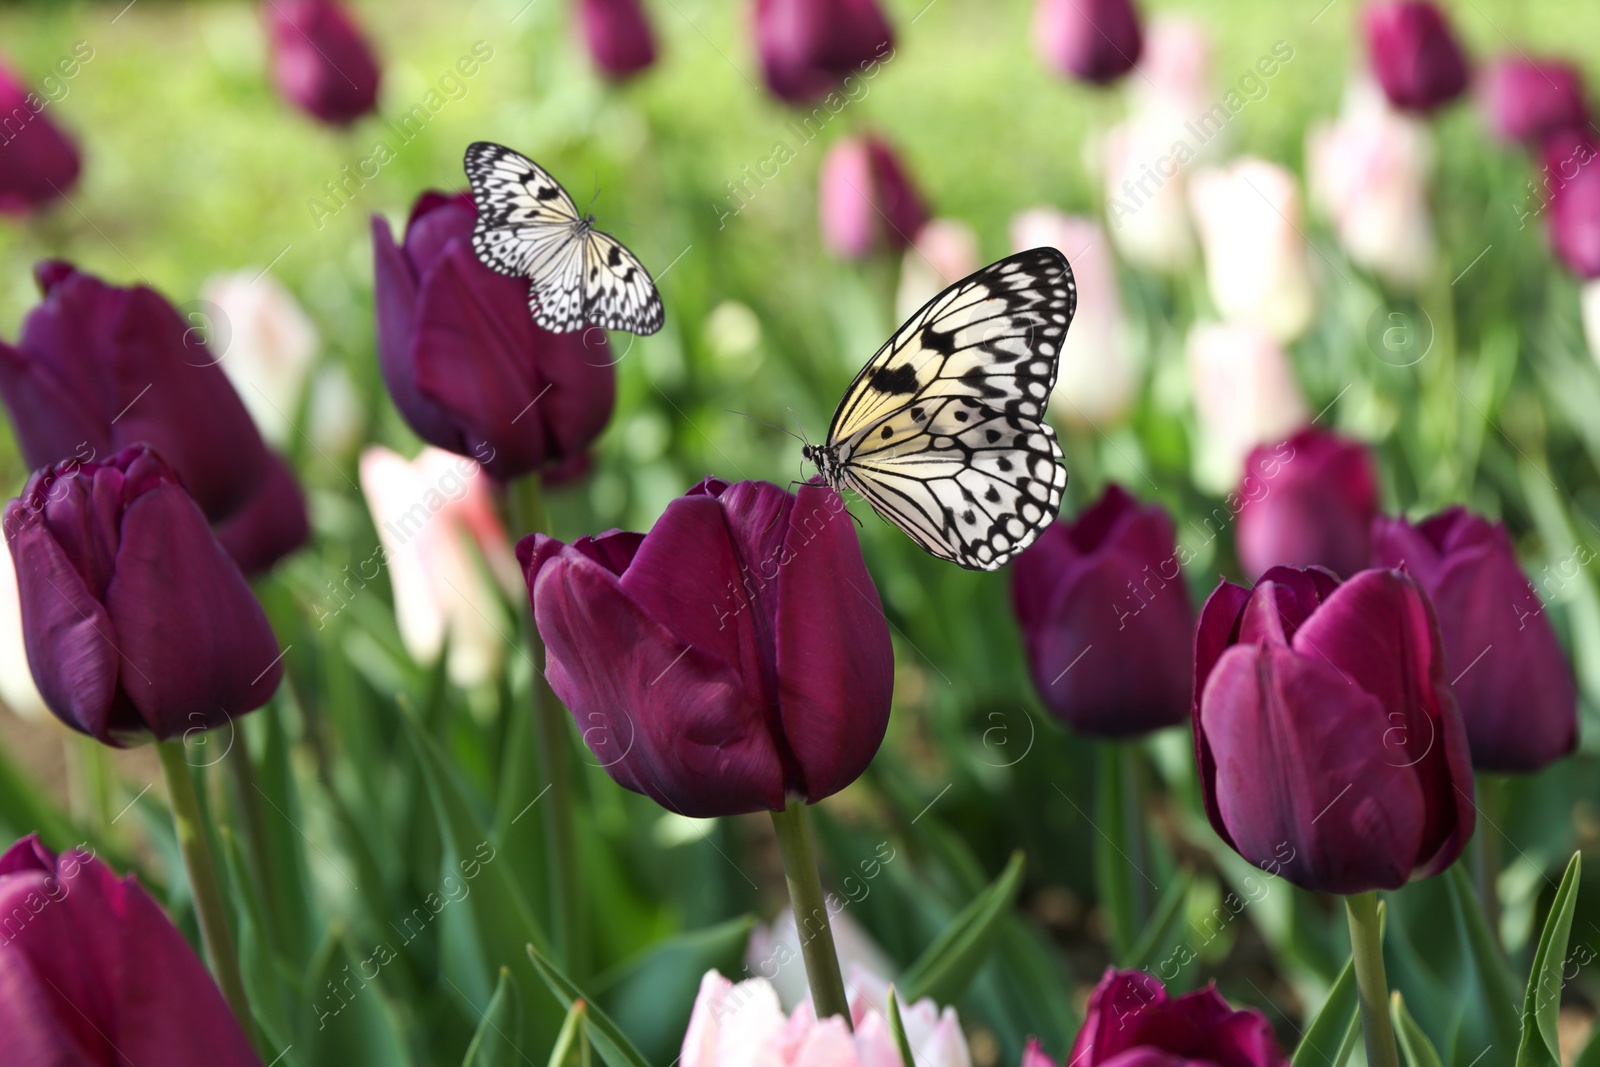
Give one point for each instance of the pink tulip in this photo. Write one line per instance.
(1245, 394)
(865, 198)
(1256, 258)
(945, 251)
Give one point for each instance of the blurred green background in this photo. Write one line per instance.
(193, 166)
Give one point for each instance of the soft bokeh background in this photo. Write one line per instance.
(193, 166)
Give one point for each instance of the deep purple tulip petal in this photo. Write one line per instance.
(1268, 713)
(185, 665)
(395, 301)
(835, 692)
(38, 162)
(49, 420)
(270, 525)
(70, 638)
(666, 718)
(618, 35)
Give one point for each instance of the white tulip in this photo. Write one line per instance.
(1249, 219)
(266, 345)
(1245, 394)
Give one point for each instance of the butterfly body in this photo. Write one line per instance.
(528, 227)
(943, 430)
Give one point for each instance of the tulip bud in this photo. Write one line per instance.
(1150, 218)
(136, 621)
(1330, 749)
(1245, 394)
(1106, 618)
(1527, 100)
(1098, 379)
(1511, 679)
(1250, 227)
(1414, 53)
(1369, 172)
(321, 61)
(95, 972)
(438, 527)
(619, 37)
(1095, 41)
(1133, 1022)
(38, 162)
(944, 252)
(741, 1026)
(732, 657)
(265, 344)
(808, 47)
(465, 363)
(865, 199)
(1308, 501)
(100, 367)
(1572, 174)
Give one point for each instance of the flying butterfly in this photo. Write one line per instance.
(528, 227)
(943, 431)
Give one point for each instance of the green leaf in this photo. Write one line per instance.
(612, 1044)
(1540, 1007)
(1326, 1034)
(573, 1038)
(1488, 1013)
(898, 1029)
(1114, 871)
(652, 995)
(500, 1032)
(947, 966)
(1163, 926)
(351, 1020)
(1414, 1044)
(1590, 1056)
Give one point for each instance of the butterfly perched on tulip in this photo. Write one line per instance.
(529, 227)
(943, 431)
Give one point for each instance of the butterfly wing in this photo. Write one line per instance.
(525, 219)
(943, 432)
(618, 292)
(555, 294)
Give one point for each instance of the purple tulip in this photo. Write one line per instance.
(1132, 1022)
(1096, 41)
(270, 525)
(865, 200)
(1414, 53)
(466, 365)
(1308, 501)
(136, 621)
(1511, 679)
(1106, 619)
(619, 37)
(321, 61)
(100, 367)
(1527, 100)
(733, 656)
(1330, 748)
(1572, 175)
(95, 973)
(808, 47)
(37, 161)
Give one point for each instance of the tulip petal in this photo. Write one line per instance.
(1269, 712)
(664, 716)
(271, 524)
(197, 648)
(70, 638)
(835, 661)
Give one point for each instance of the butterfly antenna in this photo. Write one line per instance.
(764, 422)
(800, 424)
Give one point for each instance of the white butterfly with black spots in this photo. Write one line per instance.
(943, 431)
(528, 227)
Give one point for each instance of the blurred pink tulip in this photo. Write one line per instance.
(1095, 41)
(865, 199)
(438, 530)
(744, 1026)
(1150, 223)
(774, 953)
(1572, 219)
(944, 252)
(809, 47)
(1175, 77)
(1245, 394)
(1527, 100)
(265, 343)
(1249, 219)
(1098, 379)
(1369, 172)
(38, 163)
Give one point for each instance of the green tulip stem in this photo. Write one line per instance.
(568, 929)
(1486, 857)
(1366, 951)
(207, 892)
(793, 825)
